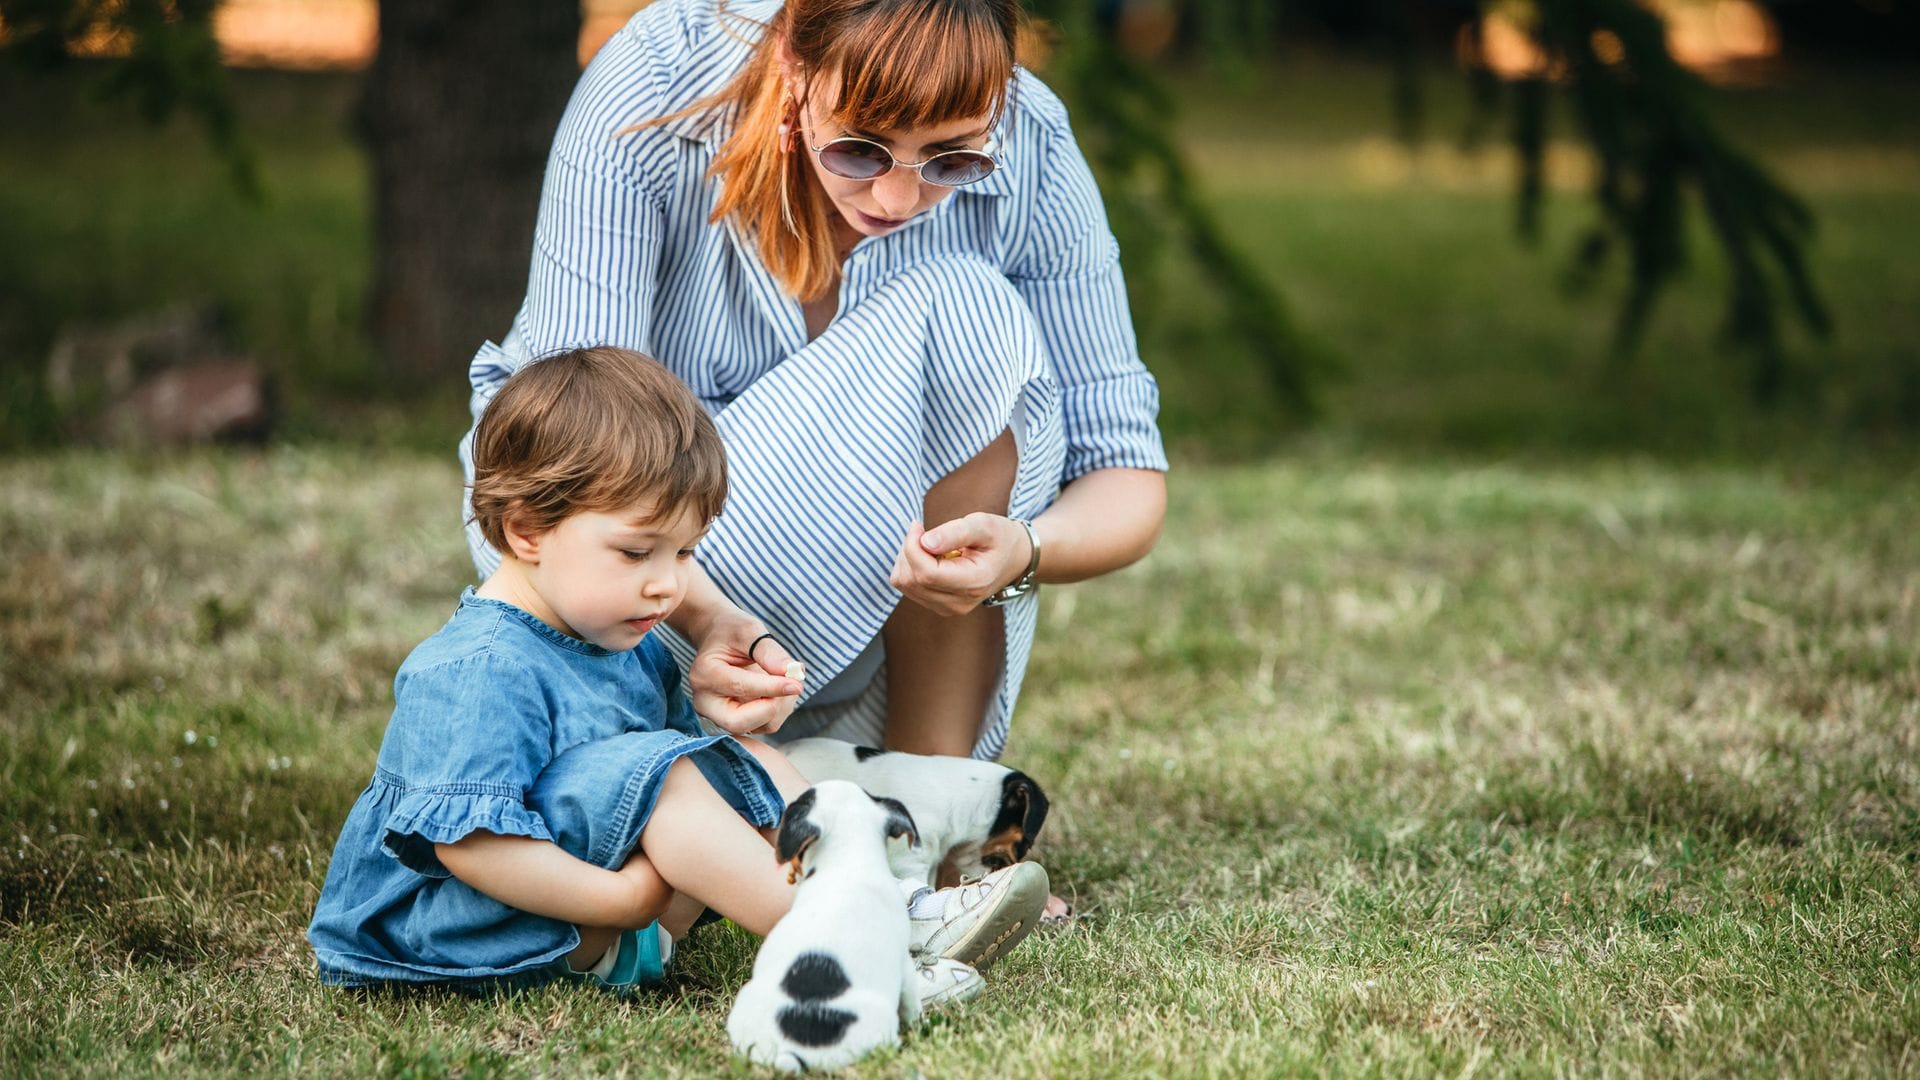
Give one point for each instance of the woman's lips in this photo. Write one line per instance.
(872, 222)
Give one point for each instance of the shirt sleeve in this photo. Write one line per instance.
(467, 739)
(1068, 270)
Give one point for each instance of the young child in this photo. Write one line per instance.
(545, 803)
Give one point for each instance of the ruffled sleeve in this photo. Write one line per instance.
(467, 738)
(423, 817)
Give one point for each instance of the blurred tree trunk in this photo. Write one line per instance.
(457, 114)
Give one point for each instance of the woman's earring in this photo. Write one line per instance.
(790, 116)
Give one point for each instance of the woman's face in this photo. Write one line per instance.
(879, 206)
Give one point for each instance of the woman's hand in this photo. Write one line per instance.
(952, 568)
(744, 695)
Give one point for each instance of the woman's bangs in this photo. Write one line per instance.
(898, 73)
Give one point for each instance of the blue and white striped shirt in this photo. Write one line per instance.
(624, 253)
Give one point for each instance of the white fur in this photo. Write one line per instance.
(954, 800)
(847, 909)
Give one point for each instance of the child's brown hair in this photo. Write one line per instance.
(593, 430)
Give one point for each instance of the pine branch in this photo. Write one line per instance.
(1124, 116)
(1647, 121)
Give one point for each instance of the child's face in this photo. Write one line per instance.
(608, 578)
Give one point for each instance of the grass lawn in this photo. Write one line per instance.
(1376, 766)
(1515, 721)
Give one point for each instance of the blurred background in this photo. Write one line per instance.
(1541, 227)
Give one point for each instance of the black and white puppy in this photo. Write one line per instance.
(973, 817)
(834, 979)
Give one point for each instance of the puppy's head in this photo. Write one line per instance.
(841, 811)
(1023, 810)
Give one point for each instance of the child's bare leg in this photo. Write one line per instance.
(707, 851)
(594, 943)
(596, 940)
(680, 915)
(785, 777)
(677, 919)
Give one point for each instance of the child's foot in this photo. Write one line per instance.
(638, 958)
(945, 983)
(976, 923)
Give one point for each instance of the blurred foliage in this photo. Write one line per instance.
(1125, 120)
(160, 53)
(1643, 115)
(1646, 120)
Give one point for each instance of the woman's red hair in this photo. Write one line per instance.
(902, 64)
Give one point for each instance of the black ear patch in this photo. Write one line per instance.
(810, 1023)
(862, 753)
(899, 821)
(796, 831)
(814, 976)
(1023, 809)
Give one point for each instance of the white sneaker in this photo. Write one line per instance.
(945, 983)
(983, 920)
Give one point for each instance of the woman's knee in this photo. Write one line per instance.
(978, 324)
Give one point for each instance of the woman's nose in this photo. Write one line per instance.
(897, 192)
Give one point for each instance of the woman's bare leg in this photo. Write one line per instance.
(941, 669)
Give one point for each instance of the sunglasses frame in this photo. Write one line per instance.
(993, 162)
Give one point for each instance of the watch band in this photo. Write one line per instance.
(1025, 583)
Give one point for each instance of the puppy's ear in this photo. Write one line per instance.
(797, 833)
(1037, 807)
(1023, 809)
(899, 822)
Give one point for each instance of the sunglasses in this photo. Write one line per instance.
(864, 159)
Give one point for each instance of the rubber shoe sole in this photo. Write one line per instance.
(1009, 914)
(946, 983)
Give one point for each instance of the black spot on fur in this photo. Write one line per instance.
(814, 977)
(1022, 804)
(810, 1023)
(796, 832)
(899, 821)
(862, 753)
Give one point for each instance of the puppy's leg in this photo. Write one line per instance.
(909, 992)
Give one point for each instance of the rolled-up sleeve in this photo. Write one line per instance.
(1068, 269)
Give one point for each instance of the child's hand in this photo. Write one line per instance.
(742, 694)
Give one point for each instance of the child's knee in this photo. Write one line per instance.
(785, 777)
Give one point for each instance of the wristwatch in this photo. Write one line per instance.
(1023, 584)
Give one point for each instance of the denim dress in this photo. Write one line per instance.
(504, 725)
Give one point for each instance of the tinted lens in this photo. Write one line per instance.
(956, 168)
(855, 159)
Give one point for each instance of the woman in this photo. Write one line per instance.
(872, 248)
